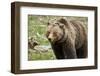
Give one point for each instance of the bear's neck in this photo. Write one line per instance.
(63, 38)
(60, 42)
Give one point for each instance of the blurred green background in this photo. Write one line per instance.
(36, 29)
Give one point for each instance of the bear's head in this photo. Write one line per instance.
(56, 30)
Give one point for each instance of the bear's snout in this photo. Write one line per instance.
(51, 37)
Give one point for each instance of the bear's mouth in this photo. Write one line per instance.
(52, 41)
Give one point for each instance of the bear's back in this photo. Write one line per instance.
(81, 33)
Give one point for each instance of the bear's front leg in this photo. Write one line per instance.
(58, 51)
(69, 52)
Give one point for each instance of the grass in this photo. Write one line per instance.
(41, 56)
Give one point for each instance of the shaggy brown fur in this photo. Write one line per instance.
(68, 38)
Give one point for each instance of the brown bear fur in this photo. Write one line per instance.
(68, 38)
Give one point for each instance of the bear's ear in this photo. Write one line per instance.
(62, 20)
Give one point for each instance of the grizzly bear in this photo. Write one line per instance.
(68, 38)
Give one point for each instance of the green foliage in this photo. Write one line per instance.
(37, 30)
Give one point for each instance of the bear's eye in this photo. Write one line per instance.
(55, 33)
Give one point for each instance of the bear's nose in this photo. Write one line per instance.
(49, 39)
